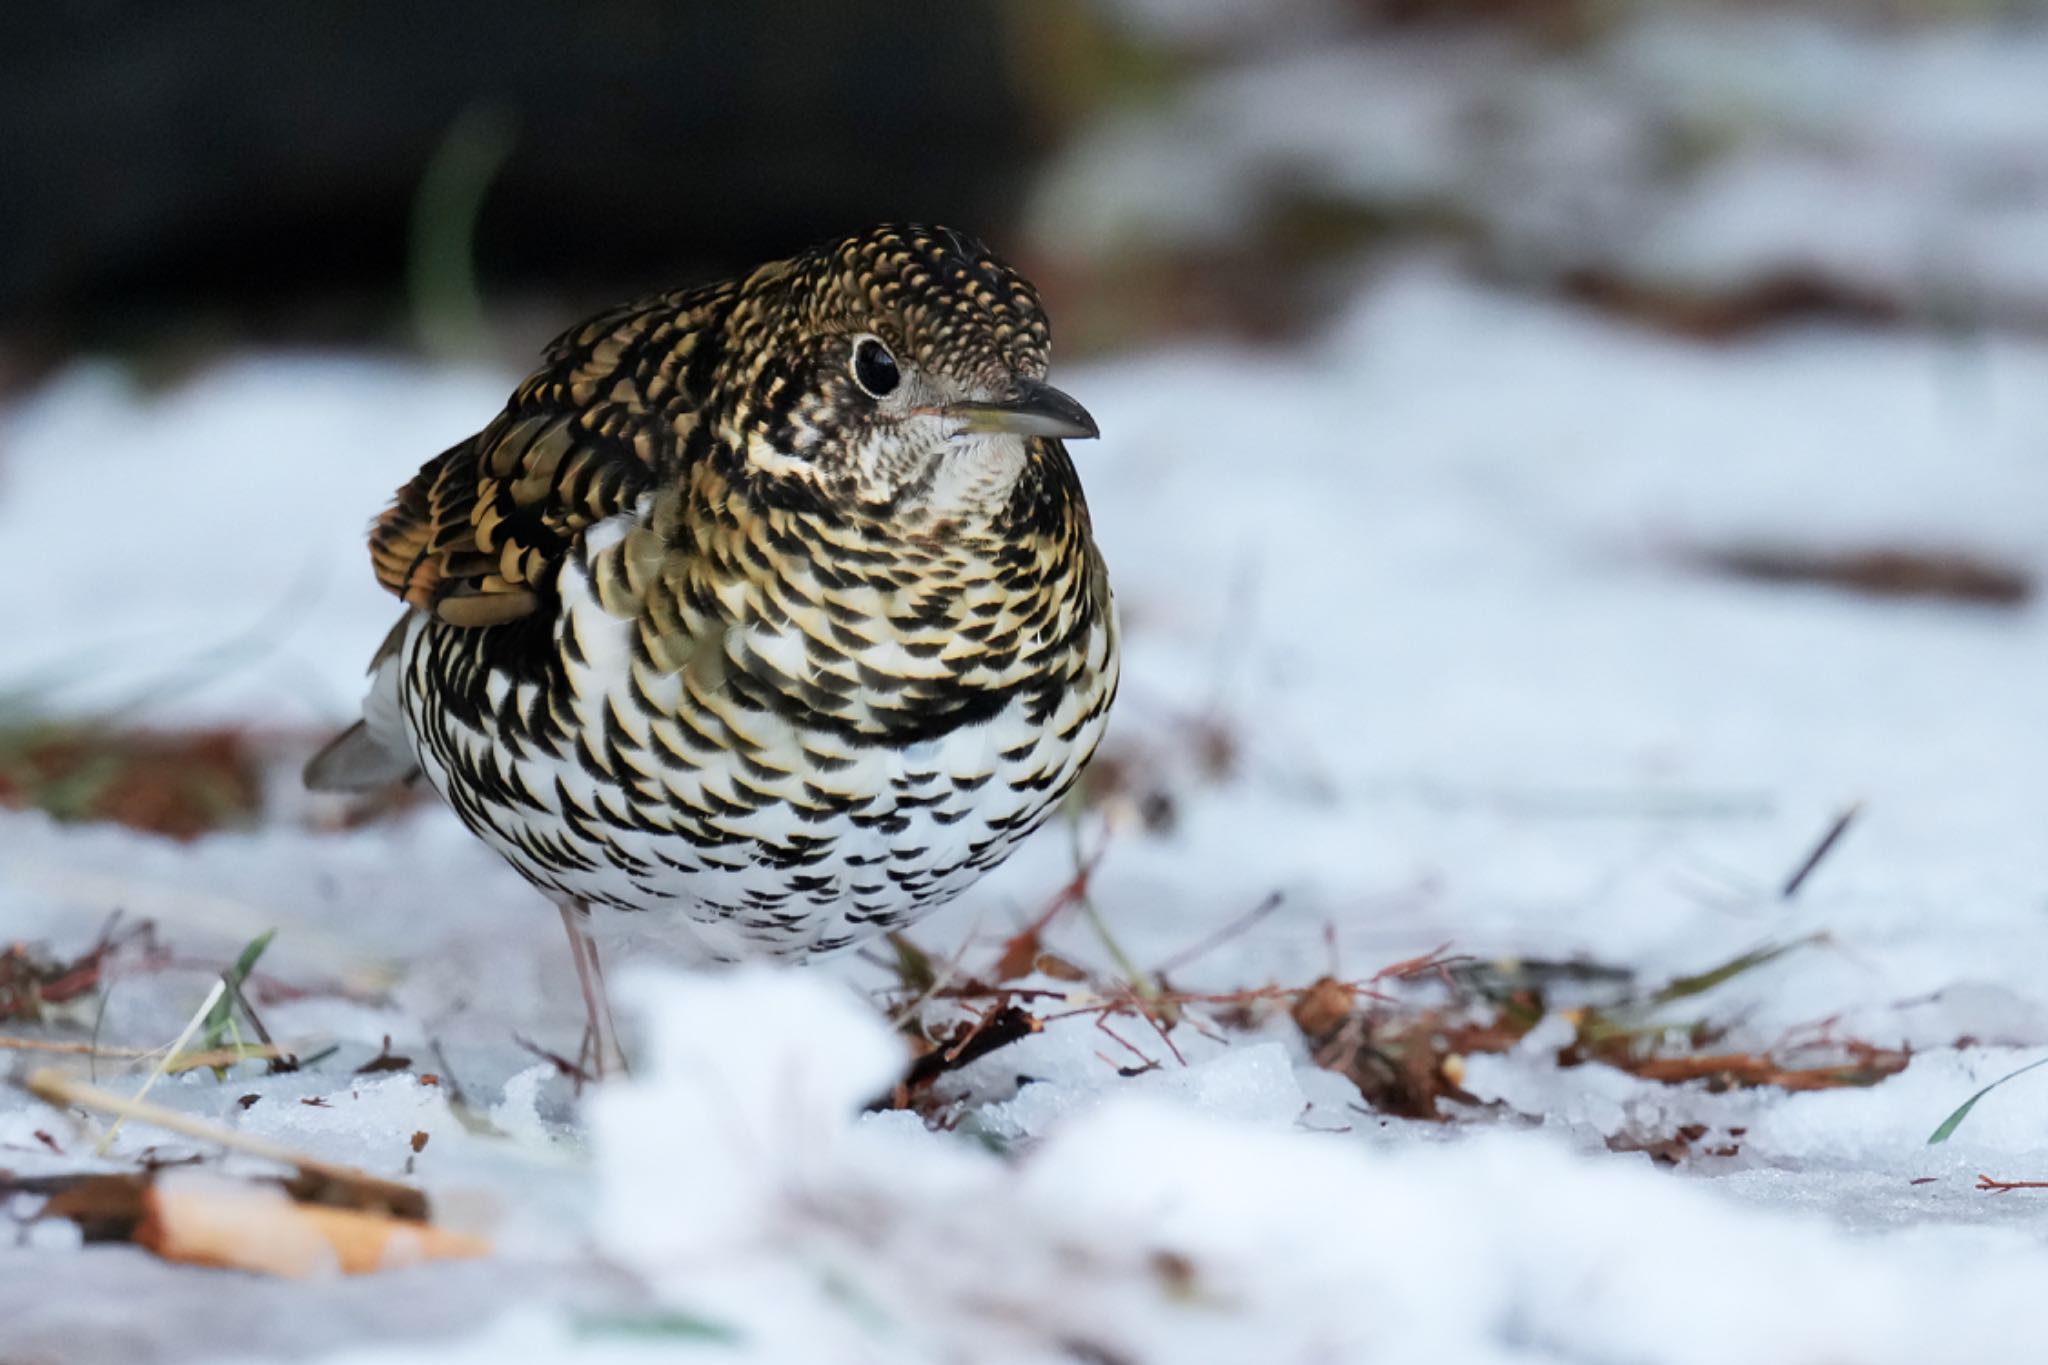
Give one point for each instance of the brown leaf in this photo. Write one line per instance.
(1954, 575)
(176, 783)
(1405, 1065)
(30, 981)
(1058, 968)
(1324, 1005)
(106, 1208)
(1741, 1071)
(1724, 315)
(257, 1228)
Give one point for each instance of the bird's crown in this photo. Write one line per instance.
(902, 367)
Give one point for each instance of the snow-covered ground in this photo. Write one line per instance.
(1431, 574)
(1421, 637)
(1686, 146)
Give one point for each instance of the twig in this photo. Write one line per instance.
(1102, 1022)
(1020, 950)
(1434, 962)
(1221, 936)
(1987, 1184)
(180, 1061)
(572, 1070)
(72, 888)
(1084, 873)
(449, 1080)
(220, 985)
(1822, 849)
(255, 1022)
(941, 978)
(74, 1049)
(998, 1029)
(1160, 1029)
(1130, 1003)
(1141, 983)
(54, 1087)
(225, 1056)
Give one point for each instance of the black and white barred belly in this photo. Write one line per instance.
(730, 827)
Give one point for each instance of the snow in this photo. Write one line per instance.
(1481, 703)
(1434, 571)
(1689, 145)
(1152, 1229)
(1438, 595)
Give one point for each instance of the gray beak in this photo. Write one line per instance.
(1036, 410)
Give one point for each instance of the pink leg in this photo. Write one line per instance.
(600, 1035)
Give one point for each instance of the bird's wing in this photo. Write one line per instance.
(477, 535)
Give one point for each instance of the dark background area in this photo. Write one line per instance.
(244, 164)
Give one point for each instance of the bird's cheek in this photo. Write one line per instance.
(977, 473)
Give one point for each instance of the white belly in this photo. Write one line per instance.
(716, 854)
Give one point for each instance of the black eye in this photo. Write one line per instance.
(874, 369)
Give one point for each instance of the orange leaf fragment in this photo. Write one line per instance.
(203, 1221)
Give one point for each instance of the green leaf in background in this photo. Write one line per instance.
(447, 306)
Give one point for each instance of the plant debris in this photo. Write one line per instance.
(323, 1218)
(1407, 1058)
(1725, 314)
(967, 1043)
(1948, 575)
(219, 1030)
(1679, 1145)
(1821, 850)
(1401, 1036)
(260, 1228)
(30, 982)
(385, 1060)
(317, 1180)
(177, 784)
(1948, 1126)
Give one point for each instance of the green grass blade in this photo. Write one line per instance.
(672, 1325)
(1683, 987)
(1955, 1120)
(221, 1015)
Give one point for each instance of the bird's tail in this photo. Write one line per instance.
(373, 752)
(355, 761)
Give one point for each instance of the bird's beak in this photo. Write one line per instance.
(1034, 410)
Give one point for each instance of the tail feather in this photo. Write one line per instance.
(373, 752)
(354, 761)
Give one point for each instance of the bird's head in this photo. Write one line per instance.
(902, 369)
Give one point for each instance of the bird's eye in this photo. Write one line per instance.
(874, 369)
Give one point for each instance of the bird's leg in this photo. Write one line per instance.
(608, 1036)
(600, 1035)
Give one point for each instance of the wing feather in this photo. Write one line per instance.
(477, 536)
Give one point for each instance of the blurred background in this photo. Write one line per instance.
(219, 174)
(256, 262)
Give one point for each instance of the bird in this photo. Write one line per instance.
(764, 619)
